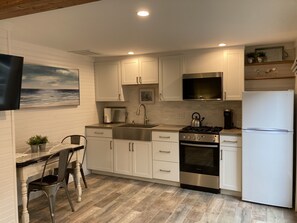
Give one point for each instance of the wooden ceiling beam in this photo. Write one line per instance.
(14, 8)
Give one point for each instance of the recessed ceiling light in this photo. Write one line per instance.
(130, 53)
(143, 13)
(222, 44)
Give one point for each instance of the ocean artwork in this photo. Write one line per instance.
(45, 86)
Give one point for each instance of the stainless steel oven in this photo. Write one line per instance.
(200, 158)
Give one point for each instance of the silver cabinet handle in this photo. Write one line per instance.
(231, 141)
(166, 171)
(99, 133)
(140, 80)
(119, 97)
(137, 80)
(225, 95)
(221, 154)
(160, 95)
(110, 145)
(164, 137)
(132, 146)
(163, 151)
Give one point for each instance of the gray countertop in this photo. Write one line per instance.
(171, 128)
(234, 131)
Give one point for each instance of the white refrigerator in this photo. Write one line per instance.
(267, 147)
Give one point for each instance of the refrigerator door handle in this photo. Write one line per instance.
(265, 130)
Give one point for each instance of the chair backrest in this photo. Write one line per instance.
(76, 139)
(64, 160)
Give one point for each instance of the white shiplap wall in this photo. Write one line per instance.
(8, 197)
(56, 122)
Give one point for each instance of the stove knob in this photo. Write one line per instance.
(184, 137)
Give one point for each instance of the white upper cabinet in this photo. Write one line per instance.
(233, 73)
(204, 61)
(108, 81)
(170, 78)
(142, 70)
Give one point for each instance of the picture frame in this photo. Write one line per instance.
(49, 86)
(146, 96)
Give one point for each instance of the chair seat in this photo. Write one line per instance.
(47, 181)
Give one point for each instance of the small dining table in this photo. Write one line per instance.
(31, 164)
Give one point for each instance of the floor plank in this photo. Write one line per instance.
(119, 200)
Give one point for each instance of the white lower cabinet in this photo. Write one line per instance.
(165, 156)
(230, 162)
(99, 152)
(133, 158)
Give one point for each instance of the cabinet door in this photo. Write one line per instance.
(233, 73)
(170, 78)
(230, 168)
(130, 71)
(148, 70)
(122, 157)
(107, 76)
(142, 159)
(100, 154)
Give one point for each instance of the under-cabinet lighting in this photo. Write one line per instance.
(130, 53)
(222, 44)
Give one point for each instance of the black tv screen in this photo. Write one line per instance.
(11, 72)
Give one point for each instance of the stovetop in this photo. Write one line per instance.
(202, 130)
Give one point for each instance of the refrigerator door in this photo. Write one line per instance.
(268, 110)
(267, 167)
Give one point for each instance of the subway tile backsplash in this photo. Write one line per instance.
(180, 113)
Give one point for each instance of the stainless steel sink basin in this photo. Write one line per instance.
(133, 132)
(131, 125)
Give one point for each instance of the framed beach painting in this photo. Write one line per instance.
(45, 86)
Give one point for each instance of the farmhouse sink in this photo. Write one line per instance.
(133, 132)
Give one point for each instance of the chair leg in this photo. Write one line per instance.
(52, 203)
(67, 178)
(74, 179)
(83, 177)
(68, 196)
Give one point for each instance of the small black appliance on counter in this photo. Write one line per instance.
(228, 123)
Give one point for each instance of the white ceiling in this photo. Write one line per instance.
(111, 27)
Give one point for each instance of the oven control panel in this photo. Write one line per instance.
(195, 137)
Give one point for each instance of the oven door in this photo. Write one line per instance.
(199, 157)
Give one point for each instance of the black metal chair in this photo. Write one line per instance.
(76, 139)
(50, 184)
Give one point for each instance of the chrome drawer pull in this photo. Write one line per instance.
(164, 137)
(232, 141)
(99, 133)
(166, 171)
(163, 151)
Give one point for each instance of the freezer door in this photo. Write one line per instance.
(267, 167)
(268, 110)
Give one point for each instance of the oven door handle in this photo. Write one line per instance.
(199, 145)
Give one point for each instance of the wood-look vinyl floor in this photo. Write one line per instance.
(112, 199)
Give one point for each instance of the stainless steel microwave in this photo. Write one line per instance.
(203, 86)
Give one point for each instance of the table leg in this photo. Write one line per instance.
(77, 178)
(25, 213)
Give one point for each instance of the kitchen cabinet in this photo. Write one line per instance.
(133, 158)
(99, 152)
(233, 73)
(170, 78)
(230, 162)
(165, 155)
(108, 81)
(143, 70)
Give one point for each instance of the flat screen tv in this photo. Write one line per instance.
(11, 72)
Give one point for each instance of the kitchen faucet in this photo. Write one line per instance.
(145, 119)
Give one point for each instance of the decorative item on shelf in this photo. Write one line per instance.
(146, 96)
(260, 56)
(37, 142)
(251, 57)
(273, 54)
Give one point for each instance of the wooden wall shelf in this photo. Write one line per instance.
(268, 78)
(270, 63)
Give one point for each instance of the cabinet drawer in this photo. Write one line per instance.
(166, 151)
(166, 171)
(234, 141)
(165, 136)
(97, 132)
